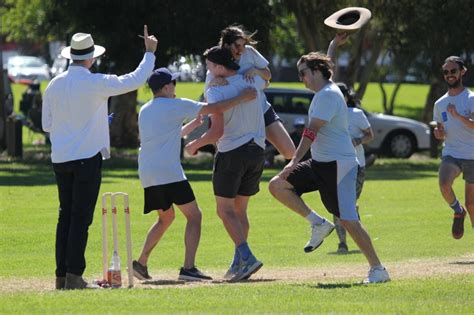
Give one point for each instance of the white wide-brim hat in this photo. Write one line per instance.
(82, 48)
(349, 19)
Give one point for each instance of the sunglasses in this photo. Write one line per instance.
(301, 72)
(451, 71)
(174, 82)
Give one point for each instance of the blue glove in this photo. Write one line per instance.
(110, 118)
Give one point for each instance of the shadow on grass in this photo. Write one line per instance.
(181, 282)
(351, 252)
(402, 170)
(35, 169)
(462, 263)
(332, 286)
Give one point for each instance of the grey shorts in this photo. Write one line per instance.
(466, 167)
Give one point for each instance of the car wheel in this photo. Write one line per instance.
(401, 145)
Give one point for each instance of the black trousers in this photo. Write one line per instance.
(78, 188)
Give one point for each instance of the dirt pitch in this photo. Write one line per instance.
(344, 274)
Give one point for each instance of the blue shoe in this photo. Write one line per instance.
(247, 268)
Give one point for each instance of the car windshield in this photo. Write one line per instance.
(26, 62)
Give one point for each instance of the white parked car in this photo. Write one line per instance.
(393, 136)
(26, 69)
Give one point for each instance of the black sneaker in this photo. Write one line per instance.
(192, 274)
(342, 248)
(140, 271)
(458, 224)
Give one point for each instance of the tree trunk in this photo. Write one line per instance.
(124, 126)
(384, 96)
(377, 45)
(354, 63)
(391, 106)
(437, 89)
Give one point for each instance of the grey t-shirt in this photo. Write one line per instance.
(160, 122)
(459, 142)
(243, 122)
(333, 141)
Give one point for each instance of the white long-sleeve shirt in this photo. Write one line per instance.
(75, 109)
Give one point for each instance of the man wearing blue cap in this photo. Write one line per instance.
(161, 174)
(454, 115)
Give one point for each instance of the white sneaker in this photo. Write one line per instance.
(377, 274)
(318, 233)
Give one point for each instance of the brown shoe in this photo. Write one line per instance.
(458, 224)
(75, 282)
(60, 283)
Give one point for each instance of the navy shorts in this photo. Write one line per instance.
(161, 197)
(238, 172)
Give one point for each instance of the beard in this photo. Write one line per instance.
(455, 84)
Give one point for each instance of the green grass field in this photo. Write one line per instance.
(401, 208)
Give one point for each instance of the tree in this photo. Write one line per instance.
(310, 16)
(430, 30)
(182, 27)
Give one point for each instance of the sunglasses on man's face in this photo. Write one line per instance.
(301, 72)
(174, 82)
(450, 71)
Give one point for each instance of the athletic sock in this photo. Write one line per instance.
(236, 257)
(244, 250)
(314, 218)
(456, 206)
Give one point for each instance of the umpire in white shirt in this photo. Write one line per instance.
(75, 115)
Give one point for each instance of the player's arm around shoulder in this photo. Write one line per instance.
(220, 107)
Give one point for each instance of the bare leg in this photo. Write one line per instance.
(363, 241)
(165, 218)
(241, 204)
(226, 211)
(469, 191)
(279, 137)
(283, 192)
(193, 232)
(447, 173)
(341, 232)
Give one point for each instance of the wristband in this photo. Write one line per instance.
(310, 134)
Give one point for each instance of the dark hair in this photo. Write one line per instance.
(318, 61)
(457, 60)
(234, 32)
(221, 56)
(348, 93)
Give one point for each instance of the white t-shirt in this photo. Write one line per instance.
(243, 122)
(75, 109)
(333, 141)
(160, 121)
(357, 123)
(250, 58)
(459, 142)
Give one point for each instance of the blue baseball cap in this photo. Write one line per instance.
(160, 77)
